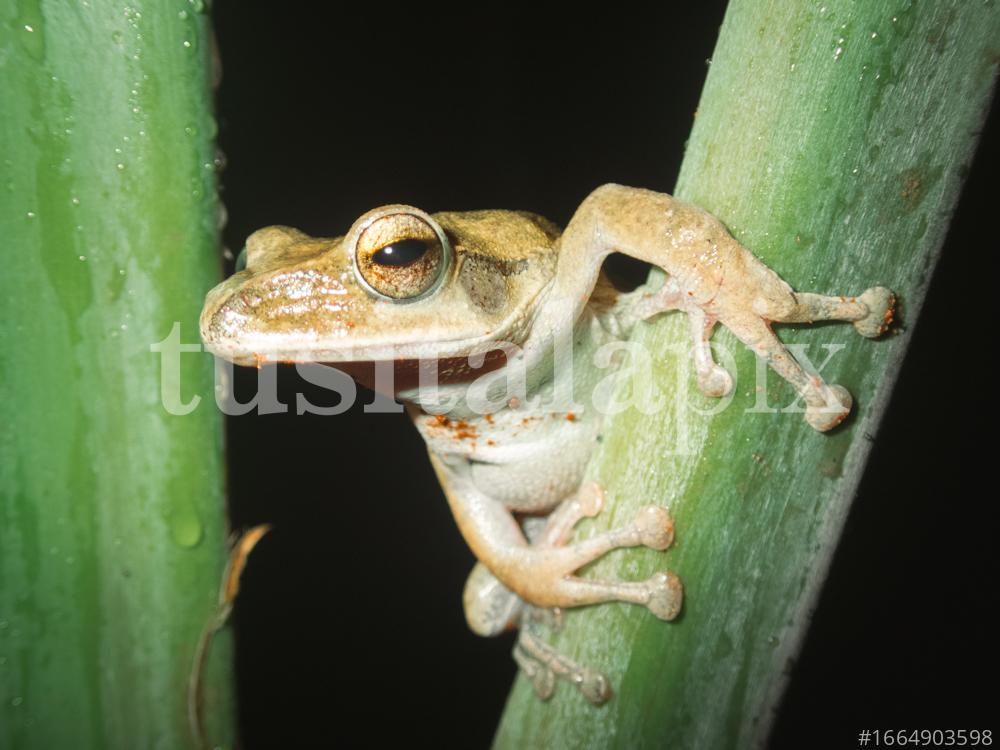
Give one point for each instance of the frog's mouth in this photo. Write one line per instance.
(390, 377)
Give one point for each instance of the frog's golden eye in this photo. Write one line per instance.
(400, 253)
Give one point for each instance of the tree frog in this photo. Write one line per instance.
(483, 299)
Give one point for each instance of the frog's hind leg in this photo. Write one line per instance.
(871, 312)
(826, 405)
(542, 664)
(490, 607)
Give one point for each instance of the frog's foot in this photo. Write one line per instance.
(832, 408)
(881, 304)
(662, 593)
(826, 405)
(871, 312)
(542, 679)
(542, 665)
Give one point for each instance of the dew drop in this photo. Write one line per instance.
(185, 529)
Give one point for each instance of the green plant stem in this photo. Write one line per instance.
(111, 509)
(832, 139)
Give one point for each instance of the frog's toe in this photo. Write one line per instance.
(826, 416)
(594, 686)
(666, 595)
(543, 665)
(655, 527)
(591, 499)
(715, 382)
(542, 679)
(881, 303)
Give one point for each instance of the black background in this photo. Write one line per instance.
(349, 626)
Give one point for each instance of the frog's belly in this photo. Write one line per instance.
(538, 483)
(529, 465)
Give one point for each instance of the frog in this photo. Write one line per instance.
(479, 316)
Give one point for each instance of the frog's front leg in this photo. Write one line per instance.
(712, 278)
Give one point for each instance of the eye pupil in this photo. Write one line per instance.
(400, 253)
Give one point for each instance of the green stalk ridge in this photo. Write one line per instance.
(832, 139)
(111, 509)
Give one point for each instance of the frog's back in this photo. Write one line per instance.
(503, 235)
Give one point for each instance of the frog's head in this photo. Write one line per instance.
(400, 285)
